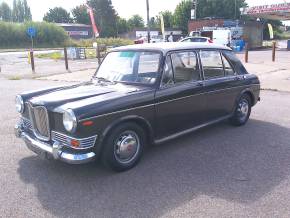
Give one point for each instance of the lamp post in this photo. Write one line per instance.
(148, 21)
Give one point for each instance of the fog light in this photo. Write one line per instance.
(75, 143)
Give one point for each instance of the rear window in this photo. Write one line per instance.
(198, 40)
(239, 68)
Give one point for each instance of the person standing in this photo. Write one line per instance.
(170, 38)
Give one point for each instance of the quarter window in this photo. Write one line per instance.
(229, 71)
(212, 64)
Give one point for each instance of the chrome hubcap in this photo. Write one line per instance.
(243, 109)
(127, 147)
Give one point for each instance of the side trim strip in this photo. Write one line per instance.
(152, 105)
(176, 135)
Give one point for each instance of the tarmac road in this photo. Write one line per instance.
(220, 171)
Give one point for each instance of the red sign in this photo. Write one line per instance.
(284, 7)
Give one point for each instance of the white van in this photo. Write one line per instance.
(219, 36)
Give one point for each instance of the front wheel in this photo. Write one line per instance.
(242, 112)
(124, 147)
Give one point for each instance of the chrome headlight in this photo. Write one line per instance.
(69, 120)
(19, 104)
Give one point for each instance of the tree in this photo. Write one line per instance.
(21, 11)
(57, 15)
(168, 19)
(122, 25)
(136, 21)
(182, 15)
(105, 16)
(27, 11)
(80, 14)
(5, 12)
(227, 9)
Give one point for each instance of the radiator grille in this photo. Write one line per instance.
(40, 122)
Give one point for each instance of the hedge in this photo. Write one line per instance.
(13, 35)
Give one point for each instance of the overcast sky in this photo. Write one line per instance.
(125, 8)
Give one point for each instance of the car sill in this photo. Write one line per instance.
(176, 135)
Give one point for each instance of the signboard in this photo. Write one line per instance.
(78, 33)
(31, 31)
(268, 8)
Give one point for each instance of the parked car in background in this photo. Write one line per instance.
(219, 36)
(140, 95)
(197, 39)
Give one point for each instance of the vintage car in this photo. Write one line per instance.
(140, 95)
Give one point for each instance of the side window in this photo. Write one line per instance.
(185, 67)
(167, 78)
(239, 68)
(229, 71)
(212, 64)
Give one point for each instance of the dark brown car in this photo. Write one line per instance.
(140, 95)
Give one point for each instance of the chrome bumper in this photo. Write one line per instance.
(54, 151)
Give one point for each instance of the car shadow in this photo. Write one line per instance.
(236, 164)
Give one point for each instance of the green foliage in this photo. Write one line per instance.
(168, 19)
(101, 41)
(5, 12)
(122, 25)
(21, 11)
(80, 14)
(228, 9)
(182, 15)
(57, 15)
(13, 35)
(136, 21)
(105, 16)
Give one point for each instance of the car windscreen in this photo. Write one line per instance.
(131, 67)
(198, 39)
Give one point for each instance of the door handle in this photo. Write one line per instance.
(200, 83)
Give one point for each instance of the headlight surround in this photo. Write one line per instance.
(19, 104)
(69, 120)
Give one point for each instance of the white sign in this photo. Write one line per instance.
(78, 33)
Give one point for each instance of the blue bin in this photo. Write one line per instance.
(288, 45)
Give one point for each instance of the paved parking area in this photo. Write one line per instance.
(220, 171)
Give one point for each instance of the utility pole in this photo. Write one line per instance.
(235, 9)
(194, 10)
(148, 21)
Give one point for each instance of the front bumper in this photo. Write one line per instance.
(55, 150)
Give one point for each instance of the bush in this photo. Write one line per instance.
(13, 35)
(114, 42)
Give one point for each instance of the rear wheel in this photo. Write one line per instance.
(123, 147)
(242, 112)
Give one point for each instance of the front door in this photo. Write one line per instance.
(179, 101)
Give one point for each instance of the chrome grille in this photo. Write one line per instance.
(40, 122)
(66, 140)
(27, 124)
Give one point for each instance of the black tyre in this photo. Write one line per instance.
(123, 147)
(242, 111)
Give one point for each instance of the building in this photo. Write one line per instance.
(77, 31)
(249, 31)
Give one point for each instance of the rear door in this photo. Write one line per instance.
(221, 84)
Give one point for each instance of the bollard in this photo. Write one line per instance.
(247, 53)
(99, 54)
(65, 58)
(32, 61)
(274, 52)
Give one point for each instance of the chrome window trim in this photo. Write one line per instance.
(196, 52)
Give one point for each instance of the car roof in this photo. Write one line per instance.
(165, 47)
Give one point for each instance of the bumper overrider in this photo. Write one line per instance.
(53, 150)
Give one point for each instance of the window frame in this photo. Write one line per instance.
(201, 65)
(168, 54)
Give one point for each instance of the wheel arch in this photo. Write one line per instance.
(248, 92)
(140, 121)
